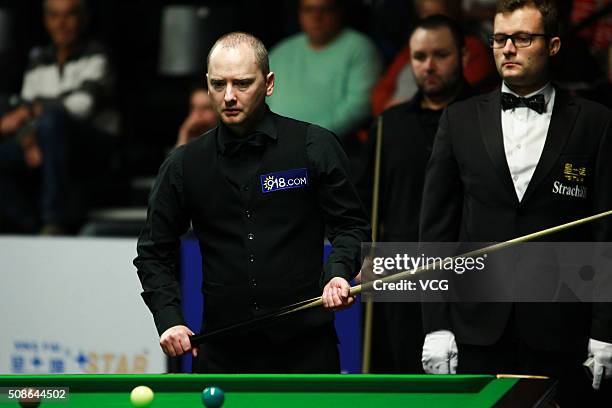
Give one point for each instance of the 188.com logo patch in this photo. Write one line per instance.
(283, 180)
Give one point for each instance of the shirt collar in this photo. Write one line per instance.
(546, 90)
(265, 126)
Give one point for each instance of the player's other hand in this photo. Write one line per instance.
(336, 294)
(175, 341)
(440, 354)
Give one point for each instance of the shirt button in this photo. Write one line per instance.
(255, 306)
(247, 213)
(515, 178)
(518, 146)
(252, 258)
(245, 188)
(251, 236)
(253, 282)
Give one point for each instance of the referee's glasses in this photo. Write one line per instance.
(520, 39)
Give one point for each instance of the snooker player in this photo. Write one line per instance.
(261, 191)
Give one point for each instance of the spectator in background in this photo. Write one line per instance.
(61, 131)
(325, 74)
(398, 84)
(581, 66)
(599, 34)
(408, 132)
(480, 12)
(201, 118)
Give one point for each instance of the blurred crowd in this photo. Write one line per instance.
(95, 93)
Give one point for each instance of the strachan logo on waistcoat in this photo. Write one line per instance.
(283, 180)
(572, 173)
(577, 191)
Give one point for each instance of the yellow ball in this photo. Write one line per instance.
(141, 396)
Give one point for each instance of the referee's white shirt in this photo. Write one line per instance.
(525, 133)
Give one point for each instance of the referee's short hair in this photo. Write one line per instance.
(547, 8)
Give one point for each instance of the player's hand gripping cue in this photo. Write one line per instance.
(175, 341)
(336, 294)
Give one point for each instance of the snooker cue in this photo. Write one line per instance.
(357, 289)
(529, 377)
(369, 305)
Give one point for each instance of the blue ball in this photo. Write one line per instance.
(213, 397)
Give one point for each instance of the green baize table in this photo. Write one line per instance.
(293, 391)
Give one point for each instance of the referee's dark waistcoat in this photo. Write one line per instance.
(260, 250)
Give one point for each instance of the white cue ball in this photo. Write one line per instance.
(141, 396)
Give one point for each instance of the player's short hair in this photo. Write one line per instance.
(232, 40)
(439, 21)
(547, 8)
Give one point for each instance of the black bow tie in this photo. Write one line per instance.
(233, 147)
(535, 102)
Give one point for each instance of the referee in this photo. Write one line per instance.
(261, 191)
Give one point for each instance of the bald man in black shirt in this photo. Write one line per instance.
(261, 192)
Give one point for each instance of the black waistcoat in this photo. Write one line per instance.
(260, 251)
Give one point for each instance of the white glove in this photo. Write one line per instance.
(440, 355)
(601, 353)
